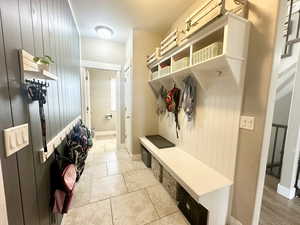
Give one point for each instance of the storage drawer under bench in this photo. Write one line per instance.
(169, 183)
(157, 169)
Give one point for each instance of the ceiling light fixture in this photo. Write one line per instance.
(104, 32)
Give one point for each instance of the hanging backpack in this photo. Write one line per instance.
(161, 104)
(172, 102)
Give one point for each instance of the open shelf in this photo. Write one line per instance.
(227, 38)
(205, 72)
(30, 69)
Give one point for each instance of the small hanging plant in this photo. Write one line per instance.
(43, 62)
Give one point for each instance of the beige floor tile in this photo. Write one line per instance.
(82, 193)
(106, 187)
(96, 170)
(110, 146)
(106, 156)
(138, 164)
(174, 219)
(121, 154)
(119, 166)
(133, 209)
(94, 214)
(162, 201)
(138, 179)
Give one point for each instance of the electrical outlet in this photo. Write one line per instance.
(247, 122)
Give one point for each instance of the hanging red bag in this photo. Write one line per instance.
(172, 102)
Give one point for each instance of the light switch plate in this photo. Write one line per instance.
(16, 138)
(247, 122)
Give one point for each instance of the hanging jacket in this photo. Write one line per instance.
(188, 97)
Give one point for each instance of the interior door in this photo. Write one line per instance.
(128, 108)
(86, 99)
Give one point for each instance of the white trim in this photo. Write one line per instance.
(74, 17)
(119, 110)
(269, 116)
(285, 192)
(57, 140)
(3, 210)
(100, 65)
(234, 221)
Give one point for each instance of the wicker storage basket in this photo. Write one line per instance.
(156, 169)
(181, 64)
(154, 75)
(208, 52)
(170, 184)
(165, 71)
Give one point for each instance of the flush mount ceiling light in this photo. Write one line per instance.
(104, 32)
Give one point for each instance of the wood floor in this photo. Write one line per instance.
(277, 210)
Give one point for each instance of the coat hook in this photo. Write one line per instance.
(219, 73)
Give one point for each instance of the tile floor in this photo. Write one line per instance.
(114, 190)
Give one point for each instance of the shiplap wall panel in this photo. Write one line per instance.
(3, 210)
(40, 27)
(213, 135)
(9, 166)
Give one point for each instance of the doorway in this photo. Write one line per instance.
(276, 201)
(102, 103)
(128, 107)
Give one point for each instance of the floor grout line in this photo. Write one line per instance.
(156, 210)
(111, 209)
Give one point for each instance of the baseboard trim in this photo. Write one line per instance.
(234, 221)
(285, 192)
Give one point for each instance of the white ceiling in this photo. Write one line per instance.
(122, 15)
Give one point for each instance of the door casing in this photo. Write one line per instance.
(86, 102)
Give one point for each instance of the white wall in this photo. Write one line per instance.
(144, 117)
(103, 51)
(212, 136)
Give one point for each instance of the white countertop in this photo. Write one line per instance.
(197, 178)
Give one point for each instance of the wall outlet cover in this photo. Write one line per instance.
(16, 138)
(247, 122)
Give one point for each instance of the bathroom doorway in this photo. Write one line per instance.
(102, 102)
